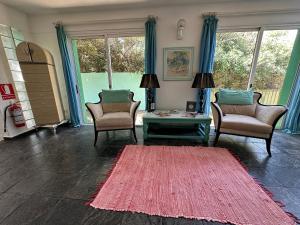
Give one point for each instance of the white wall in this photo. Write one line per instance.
(19, 20)
(172, 94)
(15, 18)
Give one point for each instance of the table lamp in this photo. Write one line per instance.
(149, 81)
(202, 81)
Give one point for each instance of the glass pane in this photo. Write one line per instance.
(17, 76)
(5, 31)
(17, 41)
(10, 53)
(20, 86)
(274, 56)
(233, 59)
(28, 115)
(14, 65)
(93, 76)
(127, 59)
(7, 42)
(17, 34)
(30, 123)
(92, 55)
(22, 96)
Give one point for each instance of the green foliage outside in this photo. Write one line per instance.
(127, 55)
(234, 54)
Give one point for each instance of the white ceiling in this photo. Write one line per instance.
(52, 6)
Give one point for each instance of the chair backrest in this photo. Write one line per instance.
(116, 103)
(247, 110)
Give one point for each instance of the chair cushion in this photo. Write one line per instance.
(244, 133)
(246, 110)
(115, 107)
(114, 120)
(245, 123)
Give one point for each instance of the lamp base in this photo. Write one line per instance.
(150, 101)
(201, 98)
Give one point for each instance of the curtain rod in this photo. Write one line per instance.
(128, 20)
(251, 13)
(209, 14)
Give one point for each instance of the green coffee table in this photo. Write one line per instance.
(180, 118)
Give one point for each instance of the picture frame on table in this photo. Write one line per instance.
(190, 106)
(178, 63)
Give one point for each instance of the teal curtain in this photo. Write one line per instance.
(69, 74)
(292, 121)
(150, 50)
(207, 54)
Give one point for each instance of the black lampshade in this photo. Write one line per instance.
(203, 80)
(149, 81)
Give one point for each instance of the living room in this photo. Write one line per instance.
(197, 120)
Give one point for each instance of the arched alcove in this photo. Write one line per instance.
(39, 74)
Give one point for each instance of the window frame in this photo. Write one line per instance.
(106, 37)
(260, 32)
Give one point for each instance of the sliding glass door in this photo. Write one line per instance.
(233, 59)
(108, 63)
(254, 59)
(273, 59)
(127, 63)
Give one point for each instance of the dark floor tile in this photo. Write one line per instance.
(32, 184)
(96, 217)
(290, 197)
(87, 183)
(34, 210)
(287, 177)
(58, 185)
(67, 212)
(264, 177)
(13, 177)
(9, 202)
(62, 171)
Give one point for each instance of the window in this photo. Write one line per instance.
(127, 60)
(273, 59)
(233, 60)
(90, 55)
(256, 59)
(122, 68)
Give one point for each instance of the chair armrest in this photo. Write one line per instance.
(270, 114)
(133, 108)
(95, 109)
(217, 114)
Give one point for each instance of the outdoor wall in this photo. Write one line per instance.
(172, 94)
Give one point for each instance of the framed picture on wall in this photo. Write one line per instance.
(178, 63)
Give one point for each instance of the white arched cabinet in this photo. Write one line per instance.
(39, 74)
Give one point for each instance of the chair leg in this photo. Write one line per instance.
(96, 137)
(268, 146)
(217, 138)
(134, 134)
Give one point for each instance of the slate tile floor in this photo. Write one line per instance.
(46, 178)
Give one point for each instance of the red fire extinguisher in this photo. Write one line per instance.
(16, 113)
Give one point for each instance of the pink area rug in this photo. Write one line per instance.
(191, 182)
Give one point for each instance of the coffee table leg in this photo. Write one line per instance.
(206, 132)
(145, 130)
